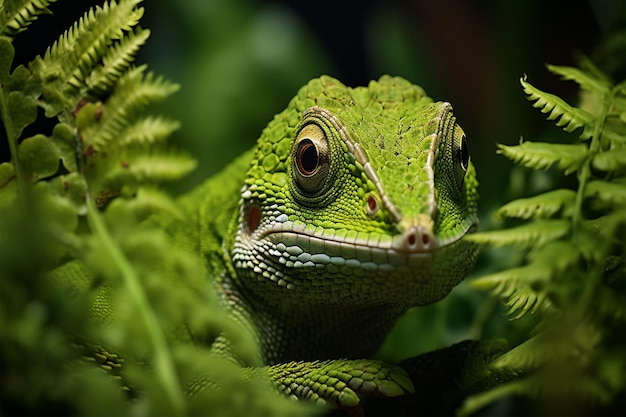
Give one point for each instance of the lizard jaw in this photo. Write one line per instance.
(403, 269)
(298, 246)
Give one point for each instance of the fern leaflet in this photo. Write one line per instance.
(592, 82)
(528, 235)
(613, 193)
(610, 161)
(566, 116)
(543, 155)
(17, 15)
(115, 62)
(543, 205)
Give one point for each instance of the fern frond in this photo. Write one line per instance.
(540, 155)
(559, 255)
(543, 205)
(67, 64)
(17, 15)
(587, 80)
(561, 338)
(610, 161)
(149, 200)
(117, 60)
(101, 126)
(147, 131)
(146, 169)
(590, 68)
(517, 286)
(529, 235)
(526, 287)
(575, 266)
(568, 117)
(613, 193)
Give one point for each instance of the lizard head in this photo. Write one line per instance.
(358, 195)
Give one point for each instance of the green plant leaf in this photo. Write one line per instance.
(117, 60)
(613, 160)
(67, 64)
(517, 286)
(22, 110)
(587, 80)
(39, 157)
(148, 131)
(8, 186)
(613, 193)
(17, 15)
(544, 205)
(568, 117)
(540, 155)
(73, 189)
(529, 235)
(102, 125)
(6, 59)
(151, 168)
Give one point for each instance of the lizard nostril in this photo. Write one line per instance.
(411, 240)
(417, 238)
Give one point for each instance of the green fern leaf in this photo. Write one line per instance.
(564, 355)
(559, 255)
(543, 205)
(526, 287)
(613, 193)
(149, 200)
(148, 130)
(117, 60)
(147, 169)
(568, 117)
(587, 80)
(533, 234)
(539, 155)
(517, 286)
(590, 68)
(39, 156)
(101, 126)
(67, 64)
(613, 161)
(17, 15)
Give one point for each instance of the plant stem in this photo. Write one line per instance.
(164, 365)
(584, 175)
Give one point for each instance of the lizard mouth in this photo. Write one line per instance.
(302, 247)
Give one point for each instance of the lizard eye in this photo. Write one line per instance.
(464, 153)
(461, 156)
(311, 160)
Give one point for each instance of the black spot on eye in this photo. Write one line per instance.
(307, 157)
(465, 156)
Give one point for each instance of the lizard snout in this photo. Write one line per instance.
(417, 238)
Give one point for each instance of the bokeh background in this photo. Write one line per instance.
(240, 61)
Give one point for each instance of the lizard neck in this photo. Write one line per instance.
(295, 331)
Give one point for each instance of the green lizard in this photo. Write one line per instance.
(351, 208)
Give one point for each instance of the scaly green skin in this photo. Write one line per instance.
(351, 209)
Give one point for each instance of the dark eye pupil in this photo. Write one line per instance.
(308, 158)
(464, 154)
